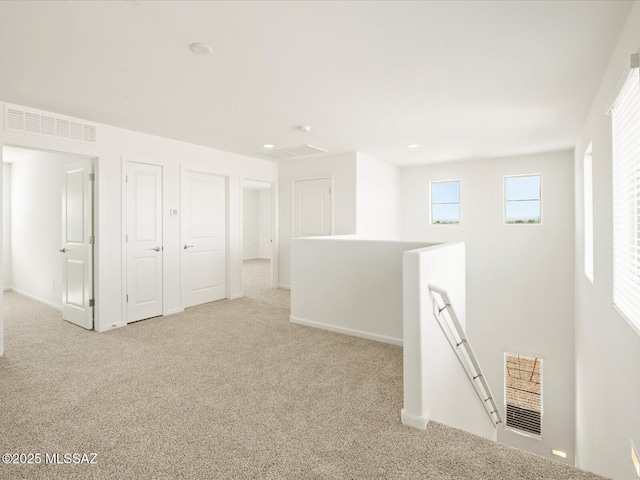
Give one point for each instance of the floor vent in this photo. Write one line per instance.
(291, 152)
(28, 121)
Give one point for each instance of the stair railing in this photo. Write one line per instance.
(457, 338)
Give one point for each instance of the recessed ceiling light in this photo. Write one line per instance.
(267, 145)
(413, 145)
(201, 48)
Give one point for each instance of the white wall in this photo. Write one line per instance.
(436, 386)
(114, 143)
(607, 350)
(265, 245)
(349, 285)
(250, 224)
(343, 170)
(37, 182)
(6, 224)
(519, 277)
(377, 198)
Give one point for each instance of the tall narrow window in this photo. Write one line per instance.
(523, 393)
(588, 214)
(626, 206)
(445, 203)
(522, 199)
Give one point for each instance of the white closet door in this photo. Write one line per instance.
(204, 224)
(312, 208)
(144, 241)
(77, 243)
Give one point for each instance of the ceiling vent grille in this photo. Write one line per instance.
(291, 152)
(21, 120)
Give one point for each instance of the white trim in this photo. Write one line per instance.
(173, 311)
(236, 296)
(346, 331)
(6, 289)
(284, 287)
(416, 421)
(37, 299)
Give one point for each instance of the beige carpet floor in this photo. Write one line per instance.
(225, 390)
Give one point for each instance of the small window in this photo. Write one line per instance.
(626, 191)
(522, 199)
(445, 203)
(588, 214)
(523, 393)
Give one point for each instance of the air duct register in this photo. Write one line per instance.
(291, 152)
(48, 125)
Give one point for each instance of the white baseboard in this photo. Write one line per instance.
(346, 331)
(6, 289)
(416, 421)
(112, 326)
(286, 287)
(173, 311)
(37, 299)
(235, 296)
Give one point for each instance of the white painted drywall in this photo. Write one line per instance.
(6, 225)
(114, 143)
(250, 224)
(342, 168)
(349, 285)
(436, 386)
(37, 183)
(377, 198)
(265, 249)
(519, 277)
(607, 349)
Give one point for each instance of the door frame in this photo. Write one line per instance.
(293, 199)
(123, 233)
(227, 252)
(97, 244)
(275, 234)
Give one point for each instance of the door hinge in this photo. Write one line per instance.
(92, 302)
(329, 190)
(126, 238)
(90, 239)
(92, 177)
(126, 179)
(127, 297)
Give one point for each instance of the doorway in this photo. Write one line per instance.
(257, 236)
(48, 238)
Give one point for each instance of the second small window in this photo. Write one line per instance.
(445, 203)
(522, 199)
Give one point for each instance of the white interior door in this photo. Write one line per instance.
(144, 241)
(77, 243)
(312, 208)
(204, 225)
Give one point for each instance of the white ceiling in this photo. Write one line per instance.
(464, 80)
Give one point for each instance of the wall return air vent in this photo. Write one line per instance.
(291, 152)
(41, 123)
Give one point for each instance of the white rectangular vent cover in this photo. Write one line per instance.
(27, 121)
(291, 152)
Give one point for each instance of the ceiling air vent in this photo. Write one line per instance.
(27, 121)
(291, 152)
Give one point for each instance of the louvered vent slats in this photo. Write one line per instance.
(291, 152)
(33, 122)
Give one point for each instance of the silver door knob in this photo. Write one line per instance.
(157, 249)
(63, 250)
(188, 246)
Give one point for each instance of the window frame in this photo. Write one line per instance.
(459, 203)
(524, 433)
(504, 198)
(587, 217)
(633, 324)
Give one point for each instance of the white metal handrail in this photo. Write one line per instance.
(458, 341)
